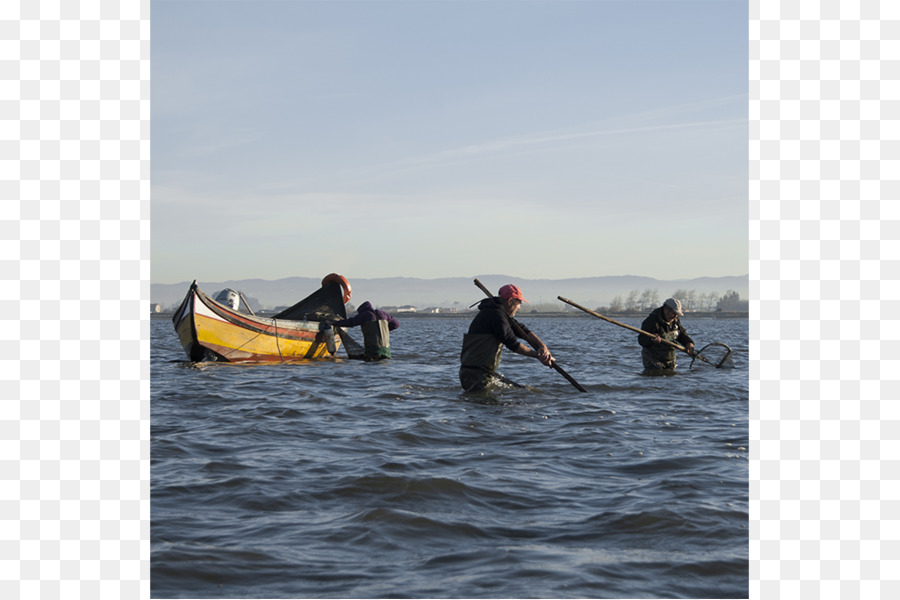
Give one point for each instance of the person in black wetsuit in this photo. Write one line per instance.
(491, 329)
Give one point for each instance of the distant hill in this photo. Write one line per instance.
(456, 292)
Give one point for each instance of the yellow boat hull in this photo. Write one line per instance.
(210, 331)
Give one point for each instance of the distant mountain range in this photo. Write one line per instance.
(456, 292)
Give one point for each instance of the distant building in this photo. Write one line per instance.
(408, 308)
(156, 308)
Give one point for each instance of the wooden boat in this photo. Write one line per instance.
(217, 330)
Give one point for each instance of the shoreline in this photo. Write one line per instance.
(577, 315)
(539, 315)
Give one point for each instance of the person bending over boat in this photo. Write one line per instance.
(491, 329)
(665, 324)
(376, 326)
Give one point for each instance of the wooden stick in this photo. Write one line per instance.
(517, 329)
(247, 304)
(675, 345)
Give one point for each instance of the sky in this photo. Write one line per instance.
(429, 139)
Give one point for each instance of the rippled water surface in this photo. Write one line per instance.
(345, 479)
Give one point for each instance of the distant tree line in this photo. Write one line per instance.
(633, 301)
(691, 300)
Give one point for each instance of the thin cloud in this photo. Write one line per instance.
(638, 123)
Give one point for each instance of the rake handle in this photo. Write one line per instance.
(675, 345)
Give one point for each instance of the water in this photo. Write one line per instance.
(344, 479)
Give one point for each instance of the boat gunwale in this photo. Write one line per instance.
(296, 329)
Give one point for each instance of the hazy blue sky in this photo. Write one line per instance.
(445, 138)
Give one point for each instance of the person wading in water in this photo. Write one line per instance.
(376, 326)
(664, 322)
(490, 330)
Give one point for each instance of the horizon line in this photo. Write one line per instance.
(188, 281)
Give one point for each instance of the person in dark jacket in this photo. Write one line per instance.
(375, 326)
(665, 324)
(491, 329)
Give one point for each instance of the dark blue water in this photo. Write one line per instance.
(344, 479)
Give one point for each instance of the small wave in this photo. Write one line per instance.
(394, 488)
(416, 523)
(219, 467)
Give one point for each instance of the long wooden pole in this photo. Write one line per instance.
(520, 333)
(675, 345)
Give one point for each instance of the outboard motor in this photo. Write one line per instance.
(229, 298)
